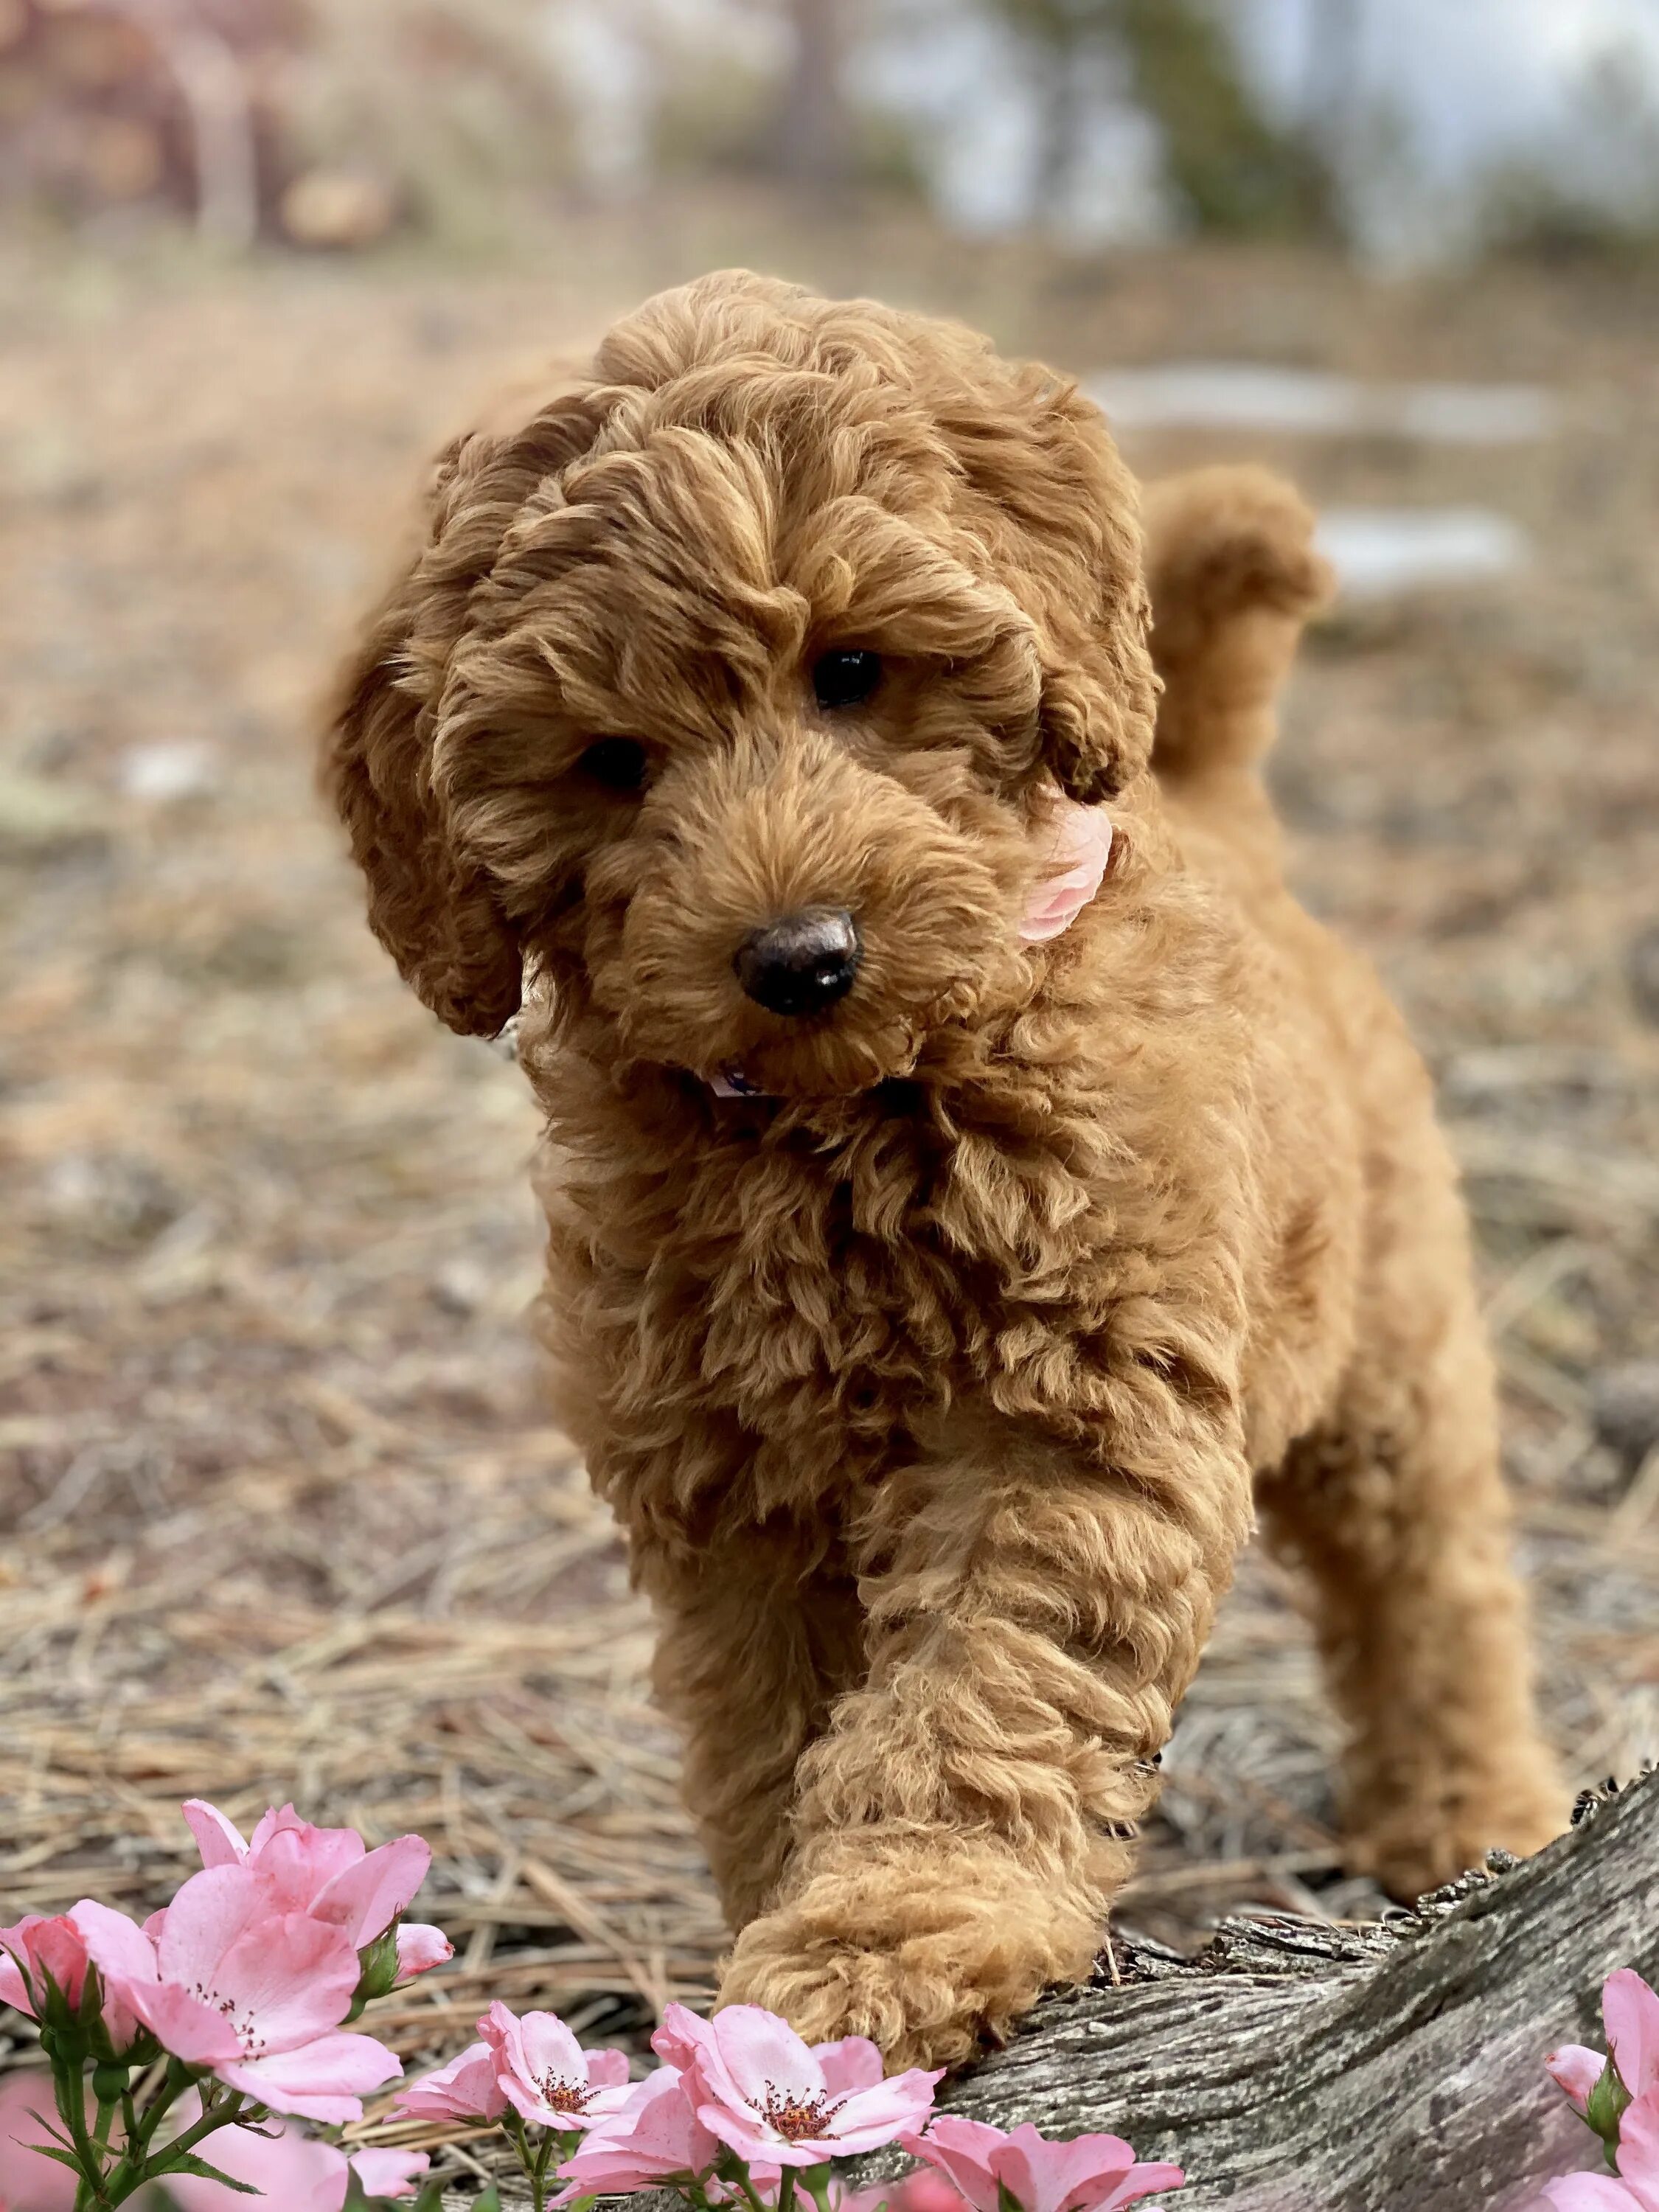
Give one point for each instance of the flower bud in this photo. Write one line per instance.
(109, 2082)
(380, 1968)
(1605, 2106)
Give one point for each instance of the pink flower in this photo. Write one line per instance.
(546, 2075)
(232, 1983)
(1089, 2173)
(330, 1873)
(655, 2134)
(1078, 845)
(29, 2183)
(37, 1950)
(762, 2091)
(1630, 2014)
(466, 2089)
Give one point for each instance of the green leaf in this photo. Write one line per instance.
(185, 2162)
(63, 2157)
(489, 2202)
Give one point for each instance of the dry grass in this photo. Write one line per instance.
(281, 1516)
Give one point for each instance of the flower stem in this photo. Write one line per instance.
(69, 2083)
(786, 2190)
(815, 2180)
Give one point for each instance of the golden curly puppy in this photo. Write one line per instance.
(931, 1280)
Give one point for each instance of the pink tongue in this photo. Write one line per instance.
(1079, 844)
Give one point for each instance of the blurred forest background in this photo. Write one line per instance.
(1406, 129)
(279, 1511)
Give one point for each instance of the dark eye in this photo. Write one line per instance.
(845, 678)
(619, 764)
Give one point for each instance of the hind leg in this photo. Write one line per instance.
(1396, 1508)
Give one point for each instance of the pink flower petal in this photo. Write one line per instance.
(184, 2026)
(365, 1898)
(466, 2089)
(421, 1947)
(1589, 2192)
(12, 1991)
(218, 1840)
(118, 1947)
(1631, 2011)
(390, 2172)
(299, 1859)
(324, 2080)
(1574, 2071)
(682, 2035)
(1638, 2150)
(852, 2063)
(870, 2117)
(961, 2150)
(124, 1956)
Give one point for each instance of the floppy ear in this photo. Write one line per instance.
(1066, 537)
(434, 909)
(1095, 720)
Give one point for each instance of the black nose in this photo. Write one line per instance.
(801, 965)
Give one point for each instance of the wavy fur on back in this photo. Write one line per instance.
(932, 1384)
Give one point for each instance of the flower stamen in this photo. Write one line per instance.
(795, 2120)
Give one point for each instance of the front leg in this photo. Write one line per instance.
(971, 1810)
(754, 1641)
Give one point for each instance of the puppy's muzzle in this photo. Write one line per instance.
(801, 965)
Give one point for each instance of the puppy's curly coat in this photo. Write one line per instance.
(931, 1381)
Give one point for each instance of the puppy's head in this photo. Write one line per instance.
(730, 691)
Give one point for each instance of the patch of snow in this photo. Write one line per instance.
(163, 773)
(1227, 395)
(1377, 551)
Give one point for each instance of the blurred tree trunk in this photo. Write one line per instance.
(1062, 132)
(814, 127)
(1331, 101)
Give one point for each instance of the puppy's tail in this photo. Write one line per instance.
(1233, 577)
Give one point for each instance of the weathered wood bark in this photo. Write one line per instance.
(1389, 2069)
(1393, 2068)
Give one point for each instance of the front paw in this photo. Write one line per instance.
(929, 1953)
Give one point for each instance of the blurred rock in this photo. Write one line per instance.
(338, 211)
(1624, 1408)
(161, 774)
(1642, 973)
(110, 1199)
